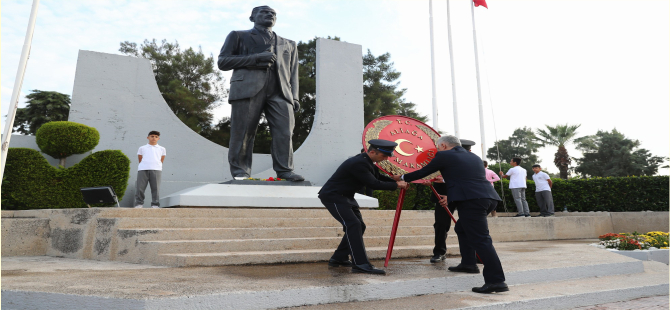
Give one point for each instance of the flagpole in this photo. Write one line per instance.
(479, 88)
(457, 131)
(432, 65)
(18, 83)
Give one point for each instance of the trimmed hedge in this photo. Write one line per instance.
(595, 194)
(30, 182)
(62, 139)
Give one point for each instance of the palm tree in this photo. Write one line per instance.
(559, 136)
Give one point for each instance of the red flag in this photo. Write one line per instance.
(480, 2)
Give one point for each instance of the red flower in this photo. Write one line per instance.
(271, 179)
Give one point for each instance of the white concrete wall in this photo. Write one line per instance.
(118, 96)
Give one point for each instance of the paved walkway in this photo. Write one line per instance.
(649, 303)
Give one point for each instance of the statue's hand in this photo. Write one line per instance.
(266, 57)
(296, 106)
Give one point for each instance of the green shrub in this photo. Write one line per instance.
(62, 139)
(595, 194)
(30, 182)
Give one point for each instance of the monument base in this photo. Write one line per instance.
(254, 196)
(266, 183)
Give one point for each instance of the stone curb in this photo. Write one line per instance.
(580, 300)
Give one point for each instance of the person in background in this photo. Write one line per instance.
(151, 157)
(491, 177)
(543, 187)
(517, 183)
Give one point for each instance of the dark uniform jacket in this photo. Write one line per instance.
(352, 175)
(237, 54)
(463, 175)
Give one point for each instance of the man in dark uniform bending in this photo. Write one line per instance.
(338, 197)
(474, 197)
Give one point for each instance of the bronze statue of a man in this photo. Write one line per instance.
(264, 81)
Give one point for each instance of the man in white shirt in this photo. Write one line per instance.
(151, 157)
(543, 187)
(517, 183)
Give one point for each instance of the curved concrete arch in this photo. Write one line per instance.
(119, 96)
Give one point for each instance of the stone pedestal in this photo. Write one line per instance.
(253, 196)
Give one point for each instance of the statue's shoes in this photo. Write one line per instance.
(293, 177)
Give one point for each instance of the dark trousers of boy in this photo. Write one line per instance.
(346, 211)
(153, 178)
(546, 202)
(473, 237)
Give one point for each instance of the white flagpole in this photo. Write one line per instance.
(479, 88)
(457, 131)
(432, 64)
(18, 82)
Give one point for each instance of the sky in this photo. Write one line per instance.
(601, 64)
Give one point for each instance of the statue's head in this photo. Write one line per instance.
(264, 16)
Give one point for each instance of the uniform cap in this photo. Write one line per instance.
(384, 146)
(467, 144)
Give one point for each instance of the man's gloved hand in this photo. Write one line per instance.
(296, 105)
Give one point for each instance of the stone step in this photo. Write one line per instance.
(257, 222)
(271, 245)
(249, 212)
(147, 234)
(288, 256)
(566, 294)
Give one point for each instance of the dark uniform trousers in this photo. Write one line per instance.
(245, 115)
(442, 226)
(349, 215)
(473, 236)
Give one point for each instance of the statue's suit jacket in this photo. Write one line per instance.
(237, 55)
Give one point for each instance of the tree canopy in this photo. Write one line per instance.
(43, 107)
(189, 81)
(380, 89)
(559, 136)
(611, 154)
(523, 144)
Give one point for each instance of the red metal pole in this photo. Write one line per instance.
(450, 215)
(398, 210)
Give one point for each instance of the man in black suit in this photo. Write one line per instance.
(338, 197)
(474, 197)
(442, 219)
(264, 81)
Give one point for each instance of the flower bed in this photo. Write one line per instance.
(634, 241)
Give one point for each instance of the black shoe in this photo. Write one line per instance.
(437, 258)
(491, 287)
(527, 215)
(290, 176)
(339, 263)
(520, 215)
(465, 268)
(366, 268)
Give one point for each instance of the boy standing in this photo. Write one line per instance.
(517, 183)
(543, 187)
(151, 157)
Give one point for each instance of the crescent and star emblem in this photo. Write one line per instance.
(401, 152)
